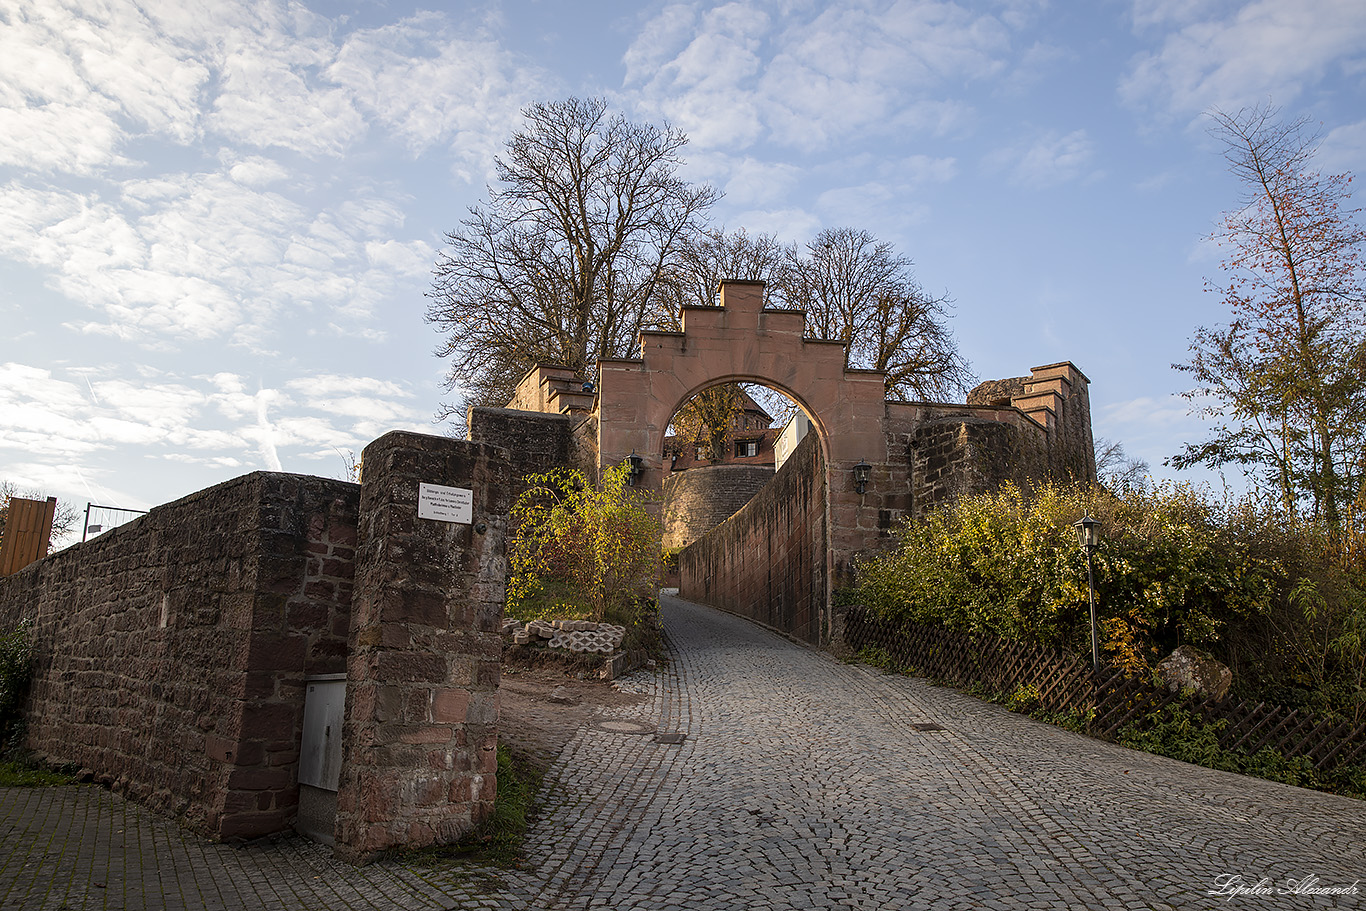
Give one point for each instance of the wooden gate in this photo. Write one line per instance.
(28, 529)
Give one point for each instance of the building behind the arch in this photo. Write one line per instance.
(919, 454)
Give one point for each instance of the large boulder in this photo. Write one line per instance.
(1189, 668)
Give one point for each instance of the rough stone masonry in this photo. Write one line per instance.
(173, 652)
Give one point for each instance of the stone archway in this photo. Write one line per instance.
(741, 341)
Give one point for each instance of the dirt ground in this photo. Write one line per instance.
(544, 702)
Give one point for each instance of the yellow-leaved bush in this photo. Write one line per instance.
(579, 551)
(1274, 600)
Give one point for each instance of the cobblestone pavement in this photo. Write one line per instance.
(801, 783)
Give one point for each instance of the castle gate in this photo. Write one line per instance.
(741, 341)
(913, 455)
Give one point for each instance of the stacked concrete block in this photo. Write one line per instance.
(576, 636)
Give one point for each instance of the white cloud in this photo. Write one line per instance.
(75, 82)
(897, 179)
(432, 83)
(866, 204)
(1145, 414)
(267, 100)
(1046, 160)
(58, 137)
(1160, 13)
(1344, 149)
(256, 101)
(255, 171)
(200, 256)
(755, 182)
(327, 385)
(810, 75)
(210, 420)
(1231, 56)
(79, 82)
(786, 224)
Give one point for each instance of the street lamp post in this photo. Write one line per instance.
(1087, 536)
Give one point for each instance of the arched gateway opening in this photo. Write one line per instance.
(751, 519)
(741, 341)
(780, 557)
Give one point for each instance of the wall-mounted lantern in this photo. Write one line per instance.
(637, 469)
(588, 386)
(1088, 536)
(861, 472)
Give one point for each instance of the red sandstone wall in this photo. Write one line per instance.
(419, 747)
(701, 498)
(537, 442)
(172, 650)
(768, 561)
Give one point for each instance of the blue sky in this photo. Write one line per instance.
(218, 219)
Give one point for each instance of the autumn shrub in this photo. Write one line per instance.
(1272, 599)
(581, 551)
(16, 670)
(1308, 648)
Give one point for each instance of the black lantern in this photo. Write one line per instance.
(861, 471)
(1088, 536)
(637, 469)
(1088, 533)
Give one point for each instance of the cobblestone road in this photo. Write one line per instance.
(801, 783)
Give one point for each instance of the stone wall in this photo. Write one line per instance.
(536, 441)
(419, 744)
(768, 562)
(954, 457)
(172, 651)
(937, 453)
(701, 498)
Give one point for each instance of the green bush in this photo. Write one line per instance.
(1272, 599)
(1178, 733)
(16, 670)
(583, 552)
(1025, 699)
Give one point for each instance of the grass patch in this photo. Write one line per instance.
(497, 841)
(1180, 734)
(20, 774)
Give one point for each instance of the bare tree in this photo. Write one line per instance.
(1116, 468)
(715, 254)
(709, 418)
(565, 261)
(1285, 380)
(858, 290)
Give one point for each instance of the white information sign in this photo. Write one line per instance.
(445, 504)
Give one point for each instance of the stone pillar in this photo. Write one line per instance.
(419, 749)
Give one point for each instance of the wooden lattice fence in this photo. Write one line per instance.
(1106, 702)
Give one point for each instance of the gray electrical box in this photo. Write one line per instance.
(320, 752)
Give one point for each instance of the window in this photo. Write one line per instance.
(746, 448)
